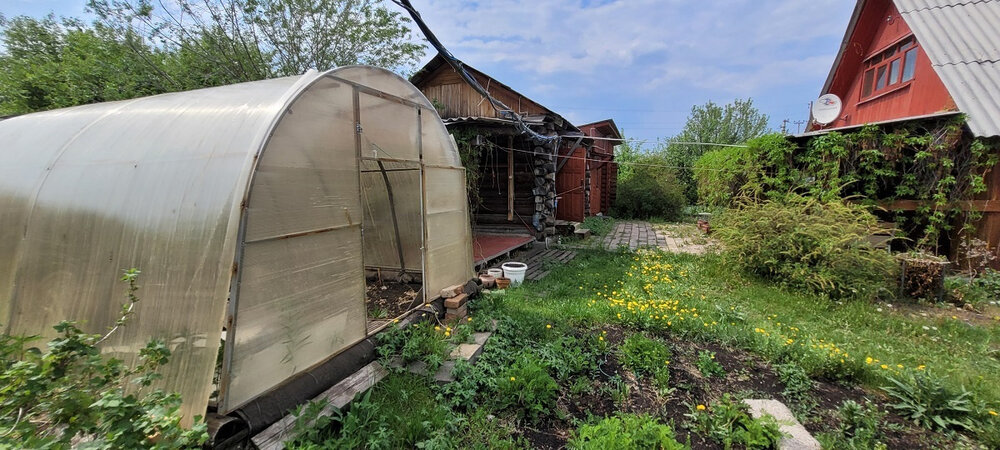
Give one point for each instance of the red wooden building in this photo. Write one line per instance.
(586, 180)
(904, 59)
(923, 60)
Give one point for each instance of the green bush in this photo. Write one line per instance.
(730, 173)
(647, 357)
(625, 431)
(821, 247)
(650, 191)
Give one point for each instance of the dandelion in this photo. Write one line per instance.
(548, 326)
(921, 367)
(436, 328)
(447, 333)
(469, 319)
(700, 407)
(884, 367)
(513, 379)
(869, 360)
(600, 338)
(993, 413)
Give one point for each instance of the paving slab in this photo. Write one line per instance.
(796, 436)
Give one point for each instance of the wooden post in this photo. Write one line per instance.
(510, 178)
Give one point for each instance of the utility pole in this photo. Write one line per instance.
(784, 126)
(798, 125)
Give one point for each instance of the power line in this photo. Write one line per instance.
(620, 163)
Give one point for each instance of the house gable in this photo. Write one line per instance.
(877, 32)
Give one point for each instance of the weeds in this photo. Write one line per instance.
(728, 422)
(647, 357)
(625, 431)
(708, 366)
(925, 400)
(859, 428)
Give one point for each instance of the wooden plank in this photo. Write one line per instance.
(510, 179)
(338, 396)
(966, 205)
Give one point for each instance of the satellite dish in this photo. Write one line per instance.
(827, 109)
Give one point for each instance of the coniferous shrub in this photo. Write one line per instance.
(808, 244)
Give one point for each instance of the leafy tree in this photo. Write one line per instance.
(48, 64)
(246, 40)
(734, 123)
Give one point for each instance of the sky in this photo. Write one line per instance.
(643, 63)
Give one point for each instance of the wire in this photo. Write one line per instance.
(503, 110)
(621, 163)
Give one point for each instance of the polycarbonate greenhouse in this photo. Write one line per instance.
(253, 208)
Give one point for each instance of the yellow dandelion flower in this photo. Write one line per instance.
(436, 328)
(548, 325)
(884, 367)
(869, 360)
(993, 413)
(700, 407)
(447, 333)
(921, 367)
(513, 379)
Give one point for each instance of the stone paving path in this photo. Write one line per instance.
(677, 238)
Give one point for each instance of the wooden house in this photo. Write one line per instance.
(587, 180)
(512, 175)
(919, 61)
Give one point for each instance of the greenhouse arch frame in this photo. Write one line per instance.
(254, 208)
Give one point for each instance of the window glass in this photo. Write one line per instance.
(894, 71)
(881, 78)
(869, 78)
(909, 64)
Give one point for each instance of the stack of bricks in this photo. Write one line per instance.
(455, 300)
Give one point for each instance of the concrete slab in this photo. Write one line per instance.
(796, 436)
(467, 352)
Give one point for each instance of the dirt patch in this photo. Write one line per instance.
(747, 375)
(390, 299)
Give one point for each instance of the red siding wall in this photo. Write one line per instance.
(880, 27)
(569, 188)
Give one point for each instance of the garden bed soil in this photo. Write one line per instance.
(390, 299)
(747, 376)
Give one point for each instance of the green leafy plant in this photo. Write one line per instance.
(928, 402)
(70, 393)
(728, 422)
(625, 431)
(805, 243)
(860, 427)
(647, 357)
(567, 356)
(708, 366)
(599, 225)
(527, 388)
(419, 342)
(797, 383)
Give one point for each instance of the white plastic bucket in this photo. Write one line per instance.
(515, 271)
(495, 272)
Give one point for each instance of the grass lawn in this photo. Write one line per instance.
(645, 349)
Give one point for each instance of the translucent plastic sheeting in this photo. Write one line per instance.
(449, 235)
(94, 190)
(389, 129)
(380, 240)
(301, 294)
(251, 190)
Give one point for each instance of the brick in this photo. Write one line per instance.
(456, 302)
(452, 291)
(456, 313)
